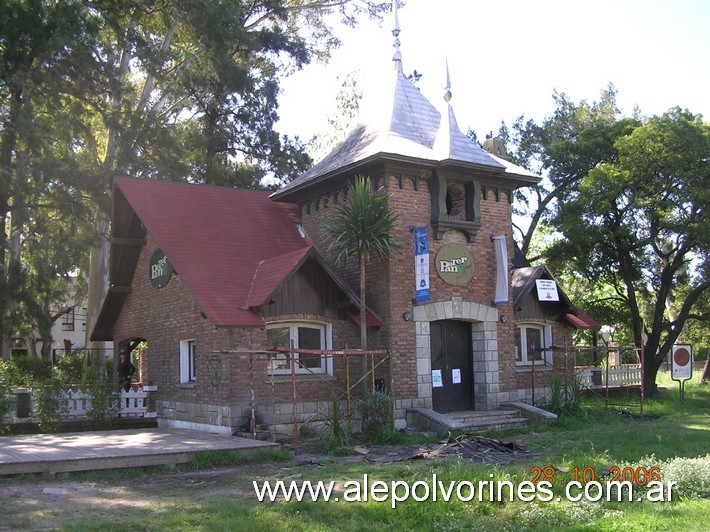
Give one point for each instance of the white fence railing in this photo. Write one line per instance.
(77, 403)
(624, 375)
(131, 403)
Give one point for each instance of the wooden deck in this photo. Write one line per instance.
(85, 451)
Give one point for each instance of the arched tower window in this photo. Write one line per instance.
(455, 205)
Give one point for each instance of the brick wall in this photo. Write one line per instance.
(226, 373)
(540, 378)
(391, 283)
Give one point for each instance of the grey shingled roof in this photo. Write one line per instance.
(415, 130)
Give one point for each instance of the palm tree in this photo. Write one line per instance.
(361, 226)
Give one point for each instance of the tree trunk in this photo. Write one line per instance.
(8, 142)
(363, 327)
(98, 282)
(705, 374)
(4, 343)
(98, 258)
(13, 259)
(651, 365)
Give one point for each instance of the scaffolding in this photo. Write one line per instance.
(597, 369)
(374, 359)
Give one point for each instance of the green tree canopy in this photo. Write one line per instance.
(169, 89)
(639, 223)
(563, 148)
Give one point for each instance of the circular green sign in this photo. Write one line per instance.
(454, 264)
(159, 269)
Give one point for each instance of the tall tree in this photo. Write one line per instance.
(44, 48)
(347, 110)
(563, 147)
(362, 227)
(640, 223)
(172, 89)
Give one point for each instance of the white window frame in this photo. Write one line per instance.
(68, 321)
(326, 363)
(546, 357)
(188, 350)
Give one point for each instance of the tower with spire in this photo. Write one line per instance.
(459, 196)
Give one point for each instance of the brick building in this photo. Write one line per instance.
(206, 277)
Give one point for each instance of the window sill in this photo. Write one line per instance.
(187, 385)
(300, 377)
(527, 366)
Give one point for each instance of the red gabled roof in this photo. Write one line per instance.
(226, 244)
(271, 272)
(582, 321)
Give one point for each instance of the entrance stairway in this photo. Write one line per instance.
(472, 420)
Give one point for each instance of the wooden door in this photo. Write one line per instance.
(451, 366)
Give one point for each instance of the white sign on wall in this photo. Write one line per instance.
(547, 290)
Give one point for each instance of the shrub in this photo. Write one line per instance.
(29, 371)
(51, 405)
(377, 422)
(110, 369)
(69, 367)
(334, 434)
(104, 400)
(563, 401)
(691, 474)
(7, 401)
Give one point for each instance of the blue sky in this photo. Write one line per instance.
(506, 57)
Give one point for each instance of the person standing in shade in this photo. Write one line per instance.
(126, 369)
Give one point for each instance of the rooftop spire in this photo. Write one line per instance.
(447, 94)
(397, 58)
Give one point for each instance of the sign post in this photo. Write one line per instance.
(682, 366)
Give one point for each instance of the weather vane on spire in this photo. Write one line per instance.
(397, 58)
(447, 94)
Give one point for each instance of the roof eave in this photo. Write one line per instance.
(497, 172)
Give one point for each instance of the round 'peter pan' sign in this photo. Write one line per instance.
(454, 264)
(159, 269)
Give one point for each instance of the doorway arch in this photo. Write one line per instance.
(484, 347)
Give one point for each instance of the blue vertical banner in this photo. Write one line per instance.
(421, 263)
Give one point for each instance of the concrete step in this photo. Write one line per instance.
(496, 424)
(474, 421)
(479, 416)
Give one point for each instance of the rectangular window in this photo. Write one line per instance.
(188, 353)
(530, 343)
(68, 321)
(313, 336)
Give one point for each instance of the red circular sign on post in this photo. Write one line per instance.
(682, 362)
(681, 357)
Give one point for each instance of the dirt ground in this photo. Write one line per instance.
(36, 503)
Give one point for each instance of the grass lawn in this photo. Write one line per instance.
(676, 441)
